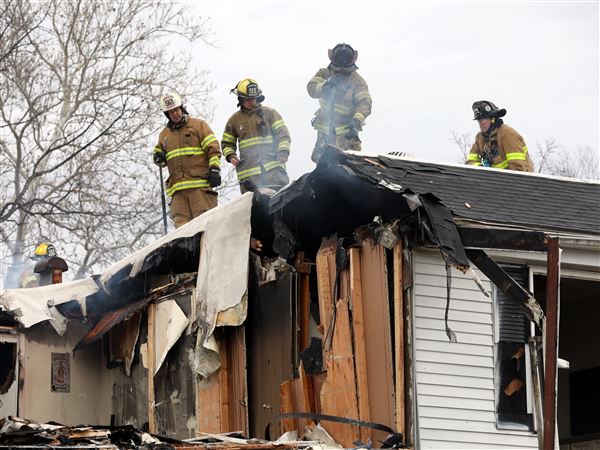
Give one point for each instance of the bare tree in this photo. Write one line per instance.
(78, 120)
(552, 158)
(464, 142)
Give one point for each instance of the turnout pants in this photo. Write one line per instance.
(340, 141)
(190, 203)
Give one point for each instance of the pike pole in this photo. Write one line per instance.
(162, 198)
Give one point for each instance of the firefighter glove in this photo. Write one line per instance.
(214, 177)
(354, 126)
(159, 159)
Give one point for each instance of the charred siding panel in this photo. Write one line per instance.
(455, 382)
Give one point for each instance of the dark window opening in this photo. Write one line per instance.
(511, 358)
(8, 363)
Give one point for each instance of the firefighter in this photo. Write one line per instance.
(262, 138)
(344, 101)
(28, 277)
(190, 150)
(497, 145)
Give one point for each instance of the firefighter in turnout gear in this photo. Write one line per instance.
(260, 135)
(28, 277)
(497, 145)
(190, 150)
(344, 101)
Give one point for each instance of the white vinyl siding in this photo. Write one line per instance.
(455, 382)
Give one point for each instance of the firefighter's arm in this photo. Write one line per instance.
(473, 158)
(229, 143)
(210, 146)
(316, 83)
(283, 136)
(362, 101)
(515, 152)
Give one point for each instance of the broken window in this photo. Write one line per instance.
(512, 368)
(8, 361)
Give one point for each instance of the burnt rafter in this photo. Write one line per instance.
(533, 241)
(528, 304)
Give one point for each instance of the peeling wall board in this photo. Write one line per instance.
(174, 393)
(360, 351)
(338, 393)
(378, 338)
(151, 353)
(122, 341)
(454, 382)
(326, 274)
(237, 383)
(269, 345)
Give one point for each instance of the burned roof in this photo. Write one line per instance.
(351, 187)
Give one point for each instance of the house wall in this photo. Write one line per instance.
(454, 382)
(84, 402)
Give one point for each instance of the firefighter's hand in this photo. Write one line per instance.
(328, 85)
(233, 159)
(159, 158)
(283, 157)
(356, 124)
(214, 177)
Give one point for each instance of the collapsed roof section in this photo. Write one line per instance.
(220, 236)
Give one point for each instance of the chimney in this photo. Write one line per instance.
(51, 270)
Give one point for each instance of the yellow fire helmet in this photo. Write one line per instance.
(44, 249)
(248, 88)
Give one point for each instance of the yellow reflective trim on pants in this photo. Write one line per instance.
(277, 125)
(247, 173)
(473, 157)
(189, 184)
(516, 156)
(500, 165)
(184, 151)
(342, 129)
(228, 151)
(214, 161)
(274, 165)
(250, 142)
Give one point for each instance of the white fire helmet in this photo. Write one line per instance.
(169, 101)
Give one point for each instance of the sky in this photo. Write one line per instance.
(425, 62)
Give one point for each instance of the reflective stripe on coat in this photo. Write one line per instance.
(189, 150)
(258, 146)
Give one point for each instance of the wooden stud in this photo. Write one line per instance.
(287, 406)
(151, 347)
(399, 337)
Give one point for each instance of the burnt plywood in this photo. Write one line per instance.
(174, 392)
(270, 349)
(378, 340)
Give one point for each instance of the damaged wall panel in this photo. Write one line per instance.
(378, 339)
(455, 381)
(36, 399)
